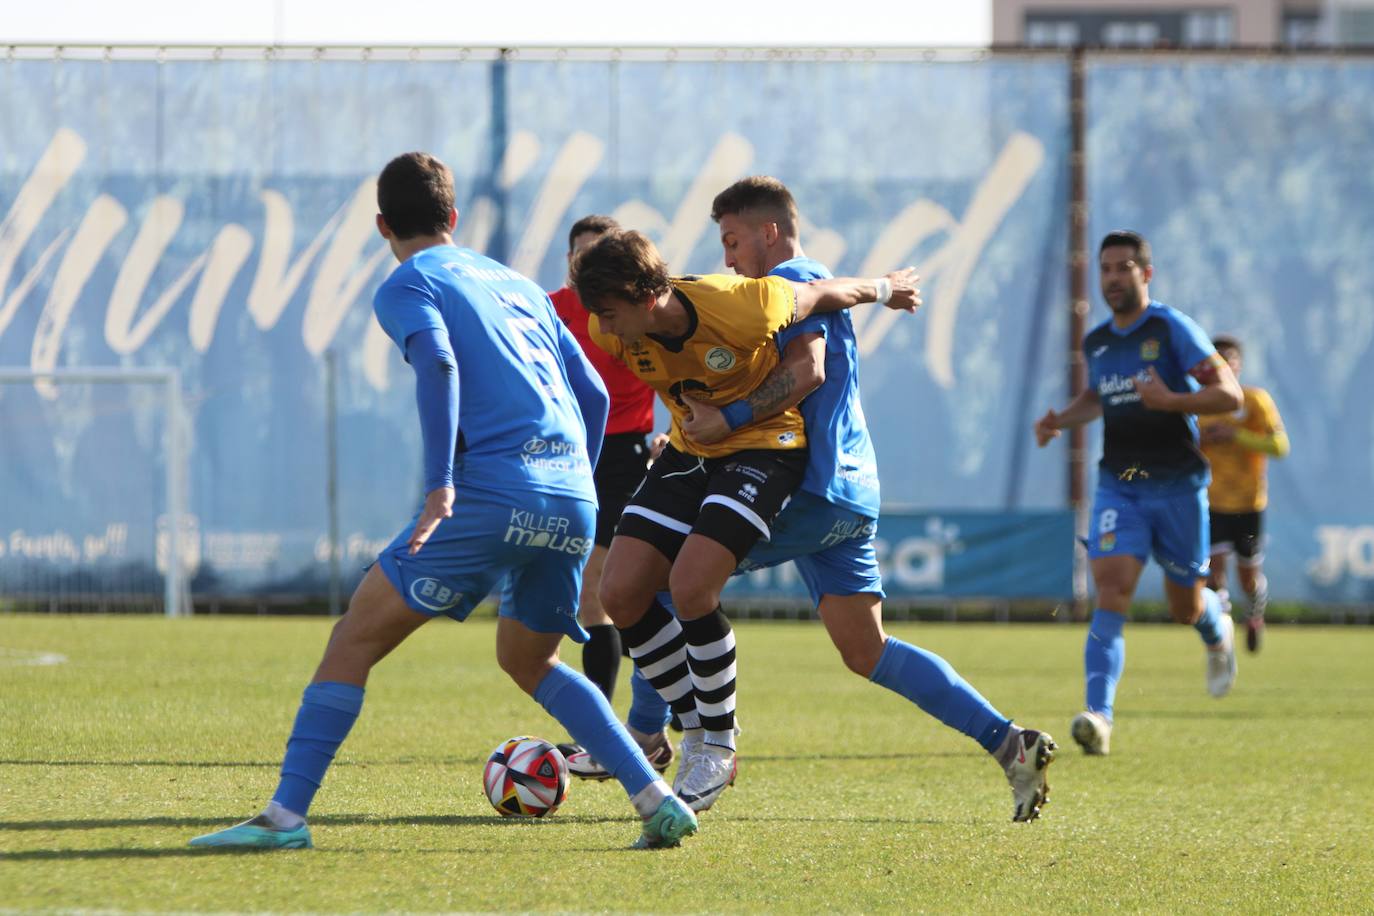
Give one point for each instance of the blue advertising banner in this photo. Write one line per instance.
(216, 217)
(952, 555)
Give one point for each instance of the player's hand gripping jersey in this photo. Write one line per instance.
(727, 351)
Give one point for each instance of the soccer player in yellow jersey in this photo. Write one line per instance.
(1239, 447)
(702, 507)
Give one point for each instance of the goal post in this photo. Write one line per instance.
(167, 533)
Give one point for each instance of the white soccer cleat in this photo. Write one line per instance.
(657, 748)
(1026, 772)
(1093, 732)
(692, 741)
(710, 771)
(1221, 661)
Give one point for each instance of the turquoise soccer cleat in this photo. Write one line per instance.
(257, 833)
(671, 822)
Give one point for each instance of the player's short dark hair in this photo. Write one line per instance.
(622, 264)
(595, 224)
(415, 195)
(1227, 342)
(1130, 240)
(761, 195)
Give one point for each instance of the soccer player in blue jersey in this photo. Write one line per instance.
(1151, 370)
(508, 495)
(829, 527)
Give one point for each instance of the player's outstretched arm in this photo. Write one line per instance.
(437, 396)
(801, 372)
(588, 389)
(897, 290)
(1084, 408)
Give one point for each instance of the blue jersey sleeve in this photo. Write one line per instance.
(436, 395)
(587, 387)
(815, 323)
(1190, 345)
(405, 304)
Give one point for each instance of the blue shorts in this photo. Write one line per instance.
(538, 542)
(831, 545)
(1171, 526)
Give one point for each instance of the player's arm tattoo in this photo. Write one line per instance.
(774, 392)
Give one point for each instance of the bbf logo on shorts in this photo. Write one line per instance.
(433, 594)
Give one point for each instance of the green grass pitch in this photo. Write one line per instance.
(849, 798)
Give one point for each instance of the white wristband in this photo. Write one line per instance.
(884, 286)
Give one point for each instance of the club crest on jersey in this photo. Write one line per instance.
(1149, 350)
(433, 594)
(719, 359)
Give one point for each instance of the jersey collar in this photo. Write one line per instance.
(675, 344)
(1135, 325)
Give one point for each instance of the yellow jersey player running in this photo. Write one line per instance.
(1239, 447)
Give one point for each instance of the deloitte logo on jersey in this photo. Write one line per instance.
(433, 594)
(719, 359)
(529, 529)
(1117, 389)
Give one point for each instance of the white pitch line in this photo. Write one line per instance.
(29, 658)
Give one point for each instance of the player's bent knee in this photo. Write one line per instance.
(694, 600)
(1187, 614)
(624, 602)
(862, 659)
(527, 671)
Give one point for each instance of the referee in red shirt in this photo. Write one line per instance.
(624, 458)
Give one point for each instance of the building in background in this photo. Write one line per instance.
(1183, 23)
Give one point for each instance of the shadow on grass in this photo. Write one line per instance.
(273, 764)
(131, 852)
(467, 761)
(1248, 713)
(325, 820)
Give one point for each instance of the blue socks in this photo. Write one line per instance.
(1104, 657)
(328, 710)
(582, 709)
(1209, 624)
(928, 681)
(648, 711)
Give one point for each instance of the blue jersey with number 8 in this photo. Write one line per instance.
(520, 427)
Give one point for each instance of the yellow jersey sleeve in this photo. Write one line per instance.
(779, 302)
(1266, 411)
